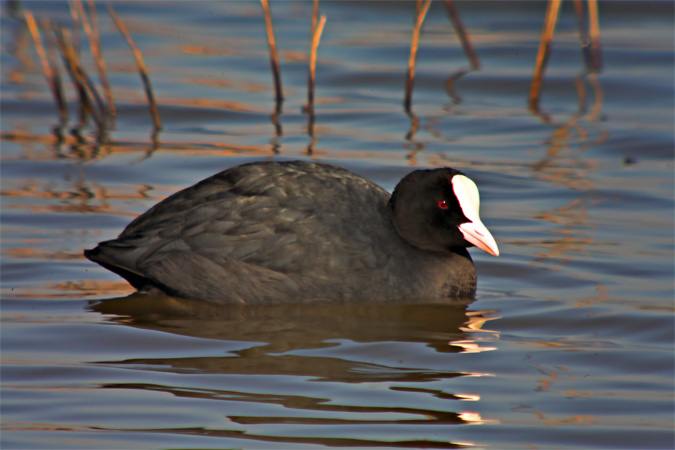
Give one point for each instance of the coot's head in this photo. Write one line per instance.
(438, 210)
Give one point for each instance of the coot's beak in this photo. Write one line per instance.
(476, 233)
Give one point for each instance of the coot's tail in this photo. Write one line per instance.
(103, 256)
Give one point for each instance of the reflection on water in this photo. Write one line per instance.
(328, 343)
(287, 327)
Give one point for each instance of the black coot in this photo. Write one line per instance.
(294, 231)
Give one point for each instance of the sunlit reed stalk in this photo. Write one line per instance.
(95, 45)
(316, 37)
(462, 35)
(422, 12)
(52, 81)
(310, 80)
(315, 16)
(274, 60)
(595, 35)
(76, 27)
(544, 51)
(141, 68)
(94, 22)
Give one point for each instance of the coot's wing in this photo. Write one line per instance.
(191, 275)
(264, 225)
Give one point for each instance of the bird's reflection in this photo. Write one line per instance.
(272, 351)
(278, 333)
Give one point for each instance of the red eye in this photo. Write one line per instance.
(443, 204)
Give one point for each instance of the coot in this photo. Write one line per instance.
(295, 231)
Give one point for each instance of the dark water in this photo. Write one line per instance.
(569, 343)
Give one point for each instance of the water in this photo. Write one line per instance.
(568, 344)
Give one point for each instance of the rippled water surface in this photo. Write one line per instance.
(568, 344)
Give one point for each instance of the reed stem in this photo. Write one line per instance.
(422, 12)
(462, 35)
(85, 88)
(274, 60)
(52, 81)
(596, 54)
(143, 72)
(95, 45)
(316, 37)
(544, 51)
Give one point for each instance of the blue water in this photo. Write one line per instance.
(568, 344)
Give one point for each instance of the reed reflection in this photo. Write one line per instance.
(564, 165)
(77, 196)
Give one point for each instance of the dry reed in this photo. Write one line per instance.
(85, 88)
(316, 37)
(584, 38)
(52, 80)
(462, 35)
(56, 72)
(316, 32)
(141, 68)
(274, 60)
(544, 51)
(419, 19)
(315, 16)
(91, 31)
(596, 55)
(76, 27)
